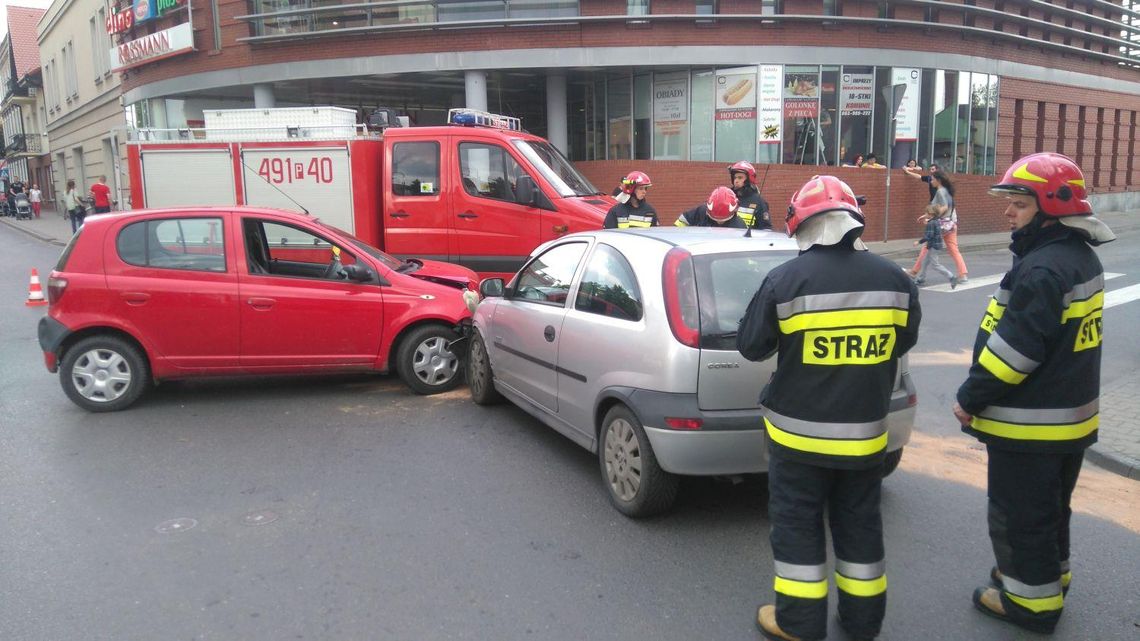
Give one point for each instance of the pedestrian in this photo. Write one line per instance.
(856, 161)
(719, 211)
(916, 173)
(76, 212)
(942, 200)
(838, 318)
(872, 162)
(101, 196)
(753, 208)
(632, 210)
(1033, 389)
(35, 196)
(931, 242)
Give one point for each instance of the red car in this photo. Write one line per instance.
(151, 295)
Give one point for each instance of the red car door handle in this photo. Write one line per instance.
(399, 214)
(135, 298)
(261, 303)
(468, 214)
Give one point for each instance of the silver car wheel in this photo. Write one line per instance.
(623, 459)
(101, 375)
(433, 362)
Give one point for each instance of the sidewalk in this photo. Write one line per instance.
(1119, 446)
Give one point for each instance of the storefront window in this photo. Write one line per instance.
(642, 116)
(904, 145)
(701, 116)
(828, 148)
(619, 124)
(991, 128)
(981, 135)
(945, 118)
(670, 116)
(735, 92)
(801, 115)
(856, 101)
(963, 119)
(926, 122)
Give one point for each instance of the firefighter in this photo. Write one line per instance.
(753, 208)
(719, 211)
(1032, 392)
(632, 210)
(838, 318)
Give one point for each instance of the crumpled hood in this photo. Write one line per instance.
(445, 274)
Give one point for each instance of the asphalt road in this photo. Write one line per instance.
(348, 508)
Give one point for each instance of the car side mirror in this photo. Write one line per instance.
(357, 272)
(525, 191)
(491, 287)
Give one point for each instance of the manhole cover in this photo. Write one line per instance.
(173, 526)
(259, 518)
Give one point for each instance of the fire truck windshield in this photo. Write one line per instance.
(555, 168)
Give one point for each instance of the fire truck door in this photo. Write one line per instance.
(415, 218)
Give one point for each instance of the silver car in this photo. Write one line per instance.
(625, 342)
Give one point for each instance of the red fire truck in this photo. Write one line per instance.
(479, 192)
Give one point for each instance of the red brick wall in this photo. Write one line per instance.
(678, 186)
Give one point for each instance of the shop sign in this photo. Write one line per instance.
(736, 96)
(121, 22)
(906, 120)
(144, 10)
(856, 94)
(156, 46)
(770, 99)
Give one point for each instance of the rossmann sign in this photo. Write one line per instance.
(156, 46)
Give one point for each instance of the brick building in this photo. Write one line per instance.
(680, 88)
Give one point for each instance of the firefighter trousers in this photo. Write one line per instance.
(1029, 514)
(798, 495)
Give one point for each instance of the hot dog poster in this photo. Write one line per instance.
(736, 95)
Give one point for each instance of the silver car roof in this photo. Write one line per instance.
(698, 240)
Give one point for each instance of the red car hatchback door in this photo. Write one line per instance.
(172, 277)
(298, 312)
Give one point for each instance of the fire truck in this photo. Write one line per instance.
(479, 191)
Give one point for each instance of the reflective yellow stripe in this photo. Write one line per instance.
(1016, 431)
(747, 218)
(998, 367)
(994, 312)
(680, 223)
(860, 587)
(1082, 308)
(1066, 578)
(1055, 602)
(834, 447)
(639, 223)
(845, 318)
(802, 589)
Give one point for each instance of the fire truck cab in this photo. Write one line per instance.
(480, 192)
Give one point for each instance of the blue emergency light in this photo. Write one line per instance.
(476, 118)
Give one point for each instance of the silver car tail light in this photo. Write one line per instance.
(680, 289)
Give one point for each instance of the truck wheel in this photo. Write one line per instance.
(480, 378)
(891, 462)
(104, 374)
(426, 363)
(637, 485)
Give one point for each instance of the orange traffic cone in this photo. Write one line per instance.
(35, 292)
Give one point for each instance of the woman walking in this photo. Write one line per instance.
(75, 211)
(943, 204)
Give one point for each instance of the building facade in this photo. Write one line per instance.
(83, 114)
(682, 87)
(26, 150)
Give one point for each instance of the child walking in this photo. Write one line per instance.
(932, 238)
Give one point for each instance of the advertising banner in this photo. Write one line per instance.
(801, 95)
(906, 120)
(736, 95)
(670, 103)
(156, 46)
(856, 94)
(771, 98)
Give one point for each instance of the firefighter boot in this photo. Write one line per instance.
(766, 621)
(995, 580)
(987, 600)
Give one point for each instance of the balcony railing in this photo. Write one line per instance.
(285, 17)
(30, 144)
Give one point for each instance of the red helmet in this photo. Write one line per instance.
(722, 204)
(1053, 179)
(818, 195)
(633, 180)
(746, 168)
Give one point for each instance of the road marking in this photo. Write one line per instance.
(985, 281)
(1121, 296)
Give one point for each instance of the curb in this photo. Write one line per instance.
(1121, 464)
(910, 253)
(47, 239)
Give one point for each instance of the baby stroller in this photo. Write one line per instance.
(23, 207)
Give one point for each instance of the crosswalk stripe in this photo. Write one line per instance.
(986, 281)
(1121, 296)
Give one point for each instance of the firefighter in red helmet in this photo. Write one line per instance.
(719, 211)
(838, 318)
(1033, 389)
(753, 208)
(632, 210)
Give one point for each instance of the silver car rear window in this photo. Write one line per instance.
(726, 284)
